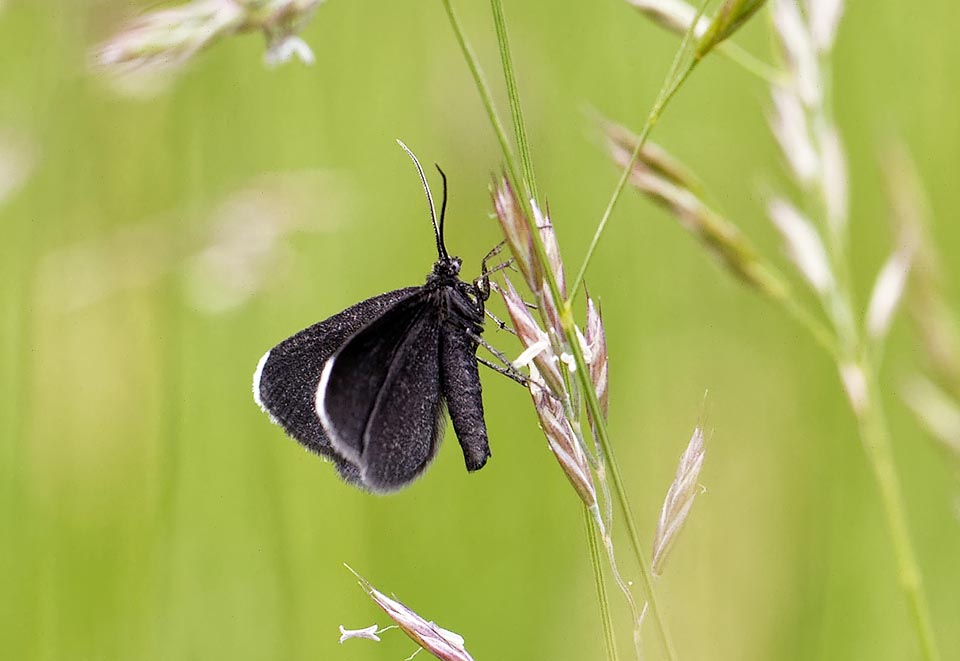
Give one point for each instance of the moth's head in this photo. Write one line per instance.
(447, 267)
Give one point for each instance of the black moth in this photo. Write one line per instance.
(367, 388)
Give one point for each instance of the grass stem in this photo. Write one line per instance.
(603, 600)
(568, 325)
(593, 406)
(674, 80)
(485, 95)
(513, 94)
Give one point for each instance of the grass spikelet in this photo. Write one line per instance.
(680, 496)
(803, 245)
(563, 442)
(664, 183)
(930, 310)
(674, 15)
(731, 16)
(441, 643)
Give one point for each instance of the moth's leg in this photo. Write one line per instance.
(507, 368)
(502, 325)
(497, 249)
(481, 285)
(515, 375)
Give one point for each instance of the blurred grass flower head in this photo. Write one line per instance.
(145, 55)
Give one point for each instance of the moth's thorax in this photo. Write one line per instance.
(445, 271)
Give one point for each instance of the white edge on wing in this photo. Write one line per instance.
(256, 387)
(320, 405)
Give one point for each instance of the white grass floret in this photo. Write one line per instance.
(803, 244)
(888, 291)
(790, 128)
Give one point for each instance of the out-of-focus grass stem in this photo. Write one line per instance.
(820, 333)
(876, 442)
(854, 355)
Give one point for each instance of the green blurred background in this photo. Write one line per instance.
(158, 247)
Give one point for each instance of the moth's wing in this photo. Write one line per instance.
(460, 378)
(285, 382)
(379, 396)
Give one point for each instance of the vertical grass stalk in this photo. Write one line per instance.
(513, 94)
(568, 325)
(603, 600)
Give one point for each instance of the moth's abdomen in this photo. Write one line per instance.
(460, 383)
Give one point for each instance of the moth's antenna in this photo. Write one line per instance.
(443, 207)
(437, 228)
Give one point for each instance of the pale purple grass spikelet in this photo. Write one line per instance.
(441, 643)
(680, 496)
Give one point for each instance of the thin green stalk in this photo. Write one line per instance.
(513, 94)
(602, 598)
(672, 84)
(652, 120)
(876, 442)
(750, 62)
(485, 96)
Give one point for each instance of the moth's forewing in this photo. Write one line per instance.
(379, 396)
(406, 423)
(285, 383)
(353, 376)
(460, 378)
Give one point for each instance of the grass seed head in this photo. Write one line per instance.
(730, 17)
(145, 55)
(563, 442)
(932, 314)
(888, 290)
(596, 340)
(798, 50)
(721, 237)
(441, 643)
(534, 339)
(516, 231)
(674, 15)
(803, 245)
(824, 20)
(680, 496)
(789, 126)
